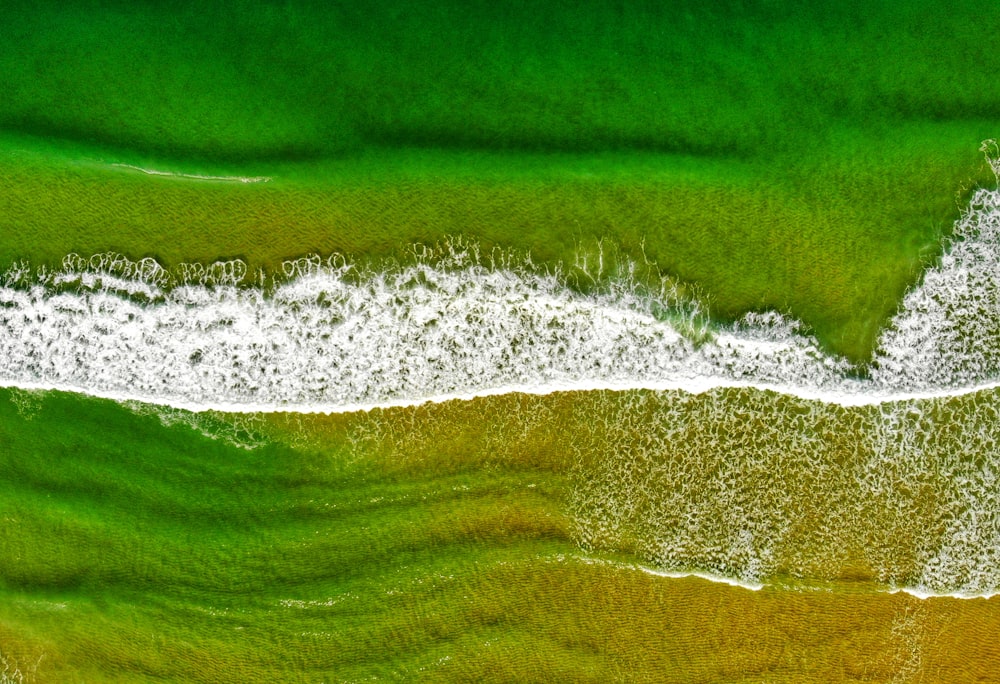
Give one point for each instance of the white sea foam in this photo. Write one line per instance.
(707, 576)
(757, 586)
(747, 486)
(947, 334)
(195, 176)
(924, 594)
(329, 339)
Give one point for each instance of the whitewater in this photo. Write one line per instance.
(331, 338)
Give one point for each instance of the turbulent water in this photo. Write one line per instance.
(753, 487)
(903, 483)
(330, 338)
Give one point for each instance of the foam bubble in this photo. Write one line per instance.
(751, 487)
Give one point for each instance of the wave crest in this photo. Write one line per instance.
(327, 335)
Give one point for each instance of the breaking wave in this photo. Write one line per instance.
(330, 337)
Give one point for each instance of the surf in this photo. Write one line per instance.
(331, 337)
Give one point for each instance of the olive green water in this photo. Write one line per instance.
(809, 160)
(464, 541)
(133, 551)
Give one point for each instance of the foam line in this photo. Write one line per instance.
(921, 594)
(329, 339)
(194, 176)
(693, 387)
(717, 579)
(924, 594)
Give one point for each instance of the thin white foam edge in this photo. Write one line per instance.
(923, 594)
(154, 172)
(689, 385)
(754, 586)
(718, 579)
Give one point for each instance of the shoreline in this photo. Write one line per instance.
(691, 387)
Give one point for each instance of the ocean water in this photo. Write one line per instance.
(444, 343)
(908, 441)
(805, 161)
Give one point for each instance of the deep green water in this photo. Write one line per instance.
(304, 80)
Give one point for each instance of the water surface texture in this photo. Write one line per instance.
(480, 342)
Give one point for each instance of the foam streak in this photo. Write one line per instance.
(195, 176)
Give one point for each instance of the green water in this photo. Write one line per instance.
(304, 80)
(142, 551)
(493, 538)
(808, 159)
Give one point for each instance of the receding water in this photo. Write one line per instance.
(771, 488)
